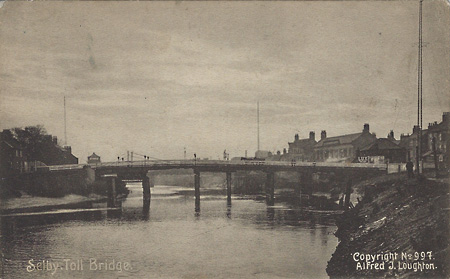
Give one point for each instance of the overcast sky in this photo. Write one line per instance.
(155, 77)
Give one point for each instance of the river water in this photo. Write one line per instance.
(172, 240)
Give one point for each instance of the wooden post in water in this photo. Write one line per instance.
(197, 189)
(228, 188)
(270, 188)
(348, 191)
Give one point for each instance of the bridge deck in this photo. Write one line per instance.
(220, 165)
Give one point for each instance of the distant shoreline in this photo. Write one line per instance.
(27, 204)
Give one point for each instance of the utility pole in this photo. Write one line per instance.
(419, 97)
(257, 118)
(65, 123)
(436, 167)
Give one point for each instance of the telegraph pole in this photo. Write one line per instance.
(419, 97)
(65, 123)
(257, 118)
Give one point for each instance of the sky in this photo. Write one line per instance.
(156, 78)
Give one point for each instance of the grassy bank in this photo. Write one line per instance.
(396, 215)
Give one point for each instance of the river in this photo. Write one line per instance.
(244, 240)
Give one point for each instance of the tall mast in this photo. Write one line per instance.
(65, 123)
(257, 116)
(419, 94)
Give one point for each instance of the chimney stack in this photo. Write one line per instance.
(55, 140)
(366, 127)
(391, 135)
(296, 137)
(68, 149)
(312, 135)
(284, 151)
(445, 116)
(323, 134)
(415, 129)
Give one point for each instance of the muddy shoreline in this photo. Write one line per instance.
(395, 215)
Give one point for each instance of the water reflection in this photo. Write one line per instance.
(228, 209)
(160, 240)
(146, 210)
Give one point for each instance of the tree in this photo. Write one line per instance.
(33, 140)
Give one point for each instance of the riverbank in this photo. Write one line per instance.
(399, 216)
(28, 203)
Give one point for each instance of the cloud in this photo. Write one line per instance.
(190, 74)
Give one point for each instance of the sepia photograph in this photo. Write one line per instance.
(225, 139)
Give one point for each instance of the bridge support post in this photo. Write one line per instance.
(111, 192)
(306, 182)
(147, 194)
(228, 188)
(197, 190)
(297, 186)
(270, 188)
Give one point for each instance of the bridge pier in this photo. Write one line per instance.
(111, 184)
(228, 188)
(147, 194)
(270, 188)
(306, 183)
(197, 190)
(298, 186)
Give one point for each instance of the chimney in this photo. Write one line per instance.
(323, 135)
(296, 137)
(68, 149)
(366, 127)
(278, 153)
(312, 135)
(55, 140)
(391, 135)
(415, 129)
(284, 151)
(445, 116)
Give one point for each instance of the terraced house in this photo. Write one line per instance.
(343, 148)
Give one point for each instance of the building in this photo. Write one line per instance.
(438, 134)
(12, 156)
(93, 159)
(302, 149)
(262, 154)
(343, 148)
(385, 148)
(409, 142)
(50, 153)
